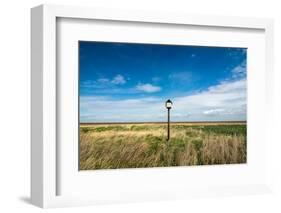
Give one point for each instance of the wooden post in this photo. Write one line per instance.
(168, 135)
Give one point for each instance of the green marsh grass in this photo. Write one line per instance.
(115, 146)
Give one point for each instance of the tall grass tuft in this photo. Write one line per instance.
(145, 145)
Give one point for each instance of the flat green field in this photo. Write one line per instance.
(112, 146)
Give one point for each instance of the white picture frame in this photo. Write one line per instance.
(45, 178)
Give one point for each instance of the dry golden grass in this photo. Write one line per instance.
(145, 145)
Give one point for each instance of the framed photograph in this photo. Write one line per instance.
(130, 106)
(157, 105)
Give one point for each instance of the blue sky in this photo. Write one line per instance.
(123, 82)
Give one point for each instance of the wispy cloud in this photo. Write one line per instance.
(111, 87)
(225, 101)
(102, 83)
(214, 112)
(118, 79)
(181, 77)
(149, 88)
(103, 80)
(237, 52)
(240, 70)
(225, 112)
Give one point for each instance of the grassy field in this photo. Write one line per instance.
(112, 146)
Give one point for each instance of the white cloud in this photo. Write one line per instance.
(223, 102)
(228, 86)
(224, 94)
(149, 88)
(226, 101)
(118, 79)
(98, 84)
(103, 80)
(225, 112)
(240, 70)
(213, 111)
(103, 83)
(237, 52)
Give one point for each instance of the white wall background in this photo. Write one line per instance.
(15, 104)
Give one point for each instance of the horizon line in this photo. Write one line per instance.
(143, 122)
